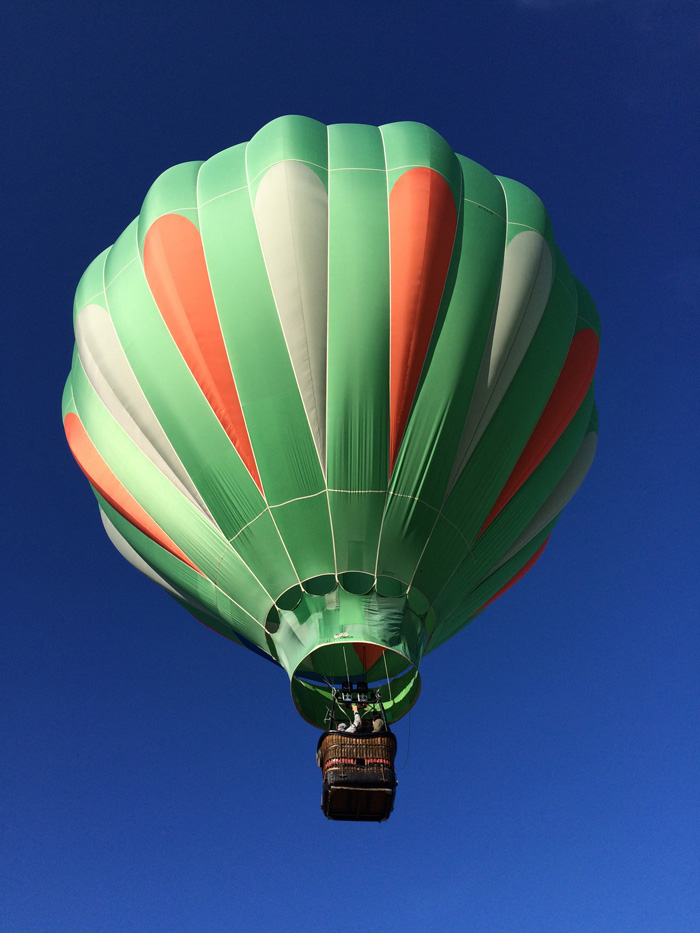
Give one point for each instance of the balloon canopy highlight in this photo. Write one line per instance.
(332, 389)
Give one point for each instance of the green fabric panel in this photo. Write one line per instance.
(180, 575)
(358, 312)
(173, 192)
(313, 701)
(224, 173)
(260, 546)
(525, 211)
(291, 137)
(408, 145)
(192, 427)
(563, 276)
(434, 428)
(284, 450)
(340, 662)
(358, 343)
(357, 521)
(174, 513)
(352, 523)
(231, 617)
(330, 625)
(587, 312)
(515, 517)
(455, 619)
(407, 526)
(447, 549)
(481, 188)
(304, 525)
(515, 419)
(503, 441)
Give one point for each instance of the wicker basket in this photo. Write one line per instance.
(359, 782)
(363, 752)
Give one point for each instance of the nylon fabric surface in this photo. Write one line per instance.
(333, 388)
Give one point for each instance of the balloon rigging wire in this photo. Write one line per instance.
(388, 682)
(345, 658)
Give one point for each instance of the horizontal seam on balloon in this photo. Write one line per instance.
(356, 168)
(411, 165)
(247, 525)
(358, 492)
(312, 495)
(178, 211)
(590, 324)
(515, 223)
(116, 275)
(489, 209)
(267, 168)
(217, 196)
(90, 300)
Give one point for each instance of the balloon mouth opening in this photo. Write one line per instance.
(387, 674)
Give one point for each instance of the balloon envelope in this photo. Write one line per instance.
(332, 389)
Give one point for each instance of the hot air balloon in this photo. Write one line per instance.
(332, 389)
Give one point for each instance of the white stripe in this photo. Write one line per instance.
(111, 376)
(526, 282)
(291, 216)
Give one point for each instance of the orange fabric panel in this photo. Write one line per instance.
(422, 225)
(519, 575)
(368, 654)
(176, 270)
(567, 395)
(109, 487)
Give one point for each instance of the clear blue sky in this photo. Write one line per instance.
(156, 777)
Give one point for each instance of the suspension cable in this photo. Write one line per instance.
(388, 682)
(345, 658)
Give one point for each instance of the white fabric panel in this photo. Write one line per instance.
(291, 215)
(526, 282)
(112, 378)
(560, 495)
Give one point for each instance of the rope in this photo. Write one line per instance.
(388, 682)
(345, 658)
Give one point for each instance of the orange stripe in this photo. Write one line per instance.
(518, 576)
(109, 487)
(368, 654)
(567, 395)
(422, 224)
(176, 270)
